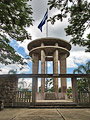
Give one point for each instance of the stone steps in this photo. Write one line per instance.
(55, 104)
(58, 107)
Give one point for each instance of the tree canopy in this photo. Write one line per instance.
(15, 16)
(83, 83)
(78, 13)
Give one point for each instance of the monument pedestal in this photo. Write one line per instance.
(51, 96)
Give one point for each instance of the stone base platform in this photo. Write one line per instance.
(51, 96)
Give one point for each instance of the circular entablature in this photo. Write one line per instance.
(49, 50)
(49, 42)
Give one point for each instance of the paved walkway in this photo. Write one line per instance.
(45, 114)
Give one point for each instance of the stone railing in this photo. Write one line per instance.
(8, 85)
(8, 88)
(84, 97)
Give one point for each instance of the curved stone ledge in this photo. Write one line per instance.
(49, 41)
(49, 50)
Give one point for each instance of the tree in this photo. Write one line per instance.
(15, 16)
(69, 92)
(30, 86)
(79, 20)
(84, 83)
(51, 89)
(22, 83)
(12, 71)
(60, 89)
(48, 82)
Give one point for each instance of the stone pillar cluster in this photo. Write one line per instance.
(56, 50)
(56, 55)
(8, 90)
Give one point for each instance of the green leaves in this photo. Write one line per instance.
(8, 55)
(83, 84)
(60, 5)
(15, 16)
(79, 20)
(78, 23)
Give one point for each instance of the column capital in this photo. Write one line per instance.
(35, 54)
(63, 56)
(56, 44)
(42, 44)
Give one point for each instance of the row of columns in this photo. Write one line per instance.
(74, 90)
(35, 68)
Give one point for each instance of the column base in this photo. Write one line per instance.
(56, 89)
(51, 96)
(62, 96)
(40, 96)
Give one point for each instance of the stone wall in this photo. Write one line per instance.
(1, 105)
(8, 89)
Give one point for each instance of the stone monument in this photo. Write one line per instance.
(55, 50)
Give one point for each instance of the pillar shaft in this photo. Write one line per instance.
(35, 66)
(42, 69)
(34, 90)
(63, 71)
(55, 69)
(74, 90)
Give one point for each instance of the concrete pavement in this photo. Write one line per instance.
(45, 114)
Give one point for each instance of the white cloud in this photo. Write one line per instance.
(69, 83)
(39, 83)
(77, 57)
(6, 69)
(25, 69)
(27, 82)
(24, 45)
(49, 64)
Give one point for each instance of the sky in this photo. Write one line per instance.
(77, 56)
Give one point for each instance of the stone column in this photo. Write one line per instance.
(34, 90)
(74, 90)
(35, 65)
(55, 69)
(63, 71)
(42, 69)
